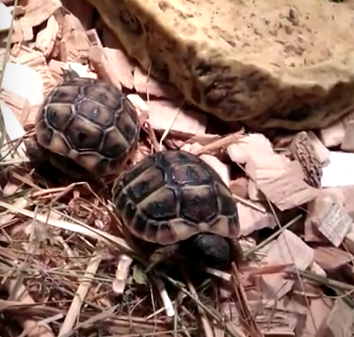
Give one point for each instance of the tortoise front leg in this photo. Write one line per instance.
(161, 254)
(236, 251)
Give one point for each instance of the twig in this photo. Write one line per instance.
(80, 295)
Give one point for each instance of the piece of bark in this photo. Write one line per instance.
(304, 152)
(321, 150)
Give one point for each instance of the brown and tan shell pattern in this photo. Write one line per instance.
(170, 196)
(90, 122)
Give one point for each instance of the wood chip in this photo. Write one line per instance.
(20, 107)
(331, 258)
(164, 115)
(120, 66)
(317, 313)
(47, 37)
(339, 321)
(288, 248)
(285, 187)
(249, 146)
(239, 187)
(252, 220)
(145, 84)
(36, 12)
(333, 135)
(348, 139)
(321, 150)
(329, 218)
(75, 44)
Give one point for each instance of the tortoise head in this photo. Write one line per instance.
(206, 249)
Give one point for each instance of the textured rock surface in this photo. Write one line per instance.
(275, 63)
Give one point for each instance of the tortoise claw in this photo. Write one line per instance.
(161, 254)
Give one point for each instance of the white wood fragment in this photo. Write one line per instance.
(333, 135)
(339, 171)
(28, 83)
(5, 18)
(122, 272)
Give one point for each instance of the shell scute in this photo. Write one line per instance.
(59, 115)
(172, 195)
(105, 94)
(161, 205)
(113, 144)
(83, 135)
(198, 204)
(91, 122)
(98, 114)
(63, 94)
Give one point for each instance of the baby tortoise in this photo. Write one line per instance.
(179, 204)
(85, 125)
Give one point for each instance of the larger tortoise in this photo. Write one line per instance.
(85, 127)
(179, 204)
(274, 63)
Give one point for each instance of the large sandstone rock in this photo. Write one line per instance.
(273, 63)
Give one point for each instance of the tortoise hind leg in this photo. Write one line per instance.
(161, 254)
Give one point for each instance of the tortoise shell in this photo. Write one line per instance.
(89, 122)
(170, 196)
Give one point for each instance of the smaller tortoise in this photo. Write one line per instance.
(179, 204)
(85, 126)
